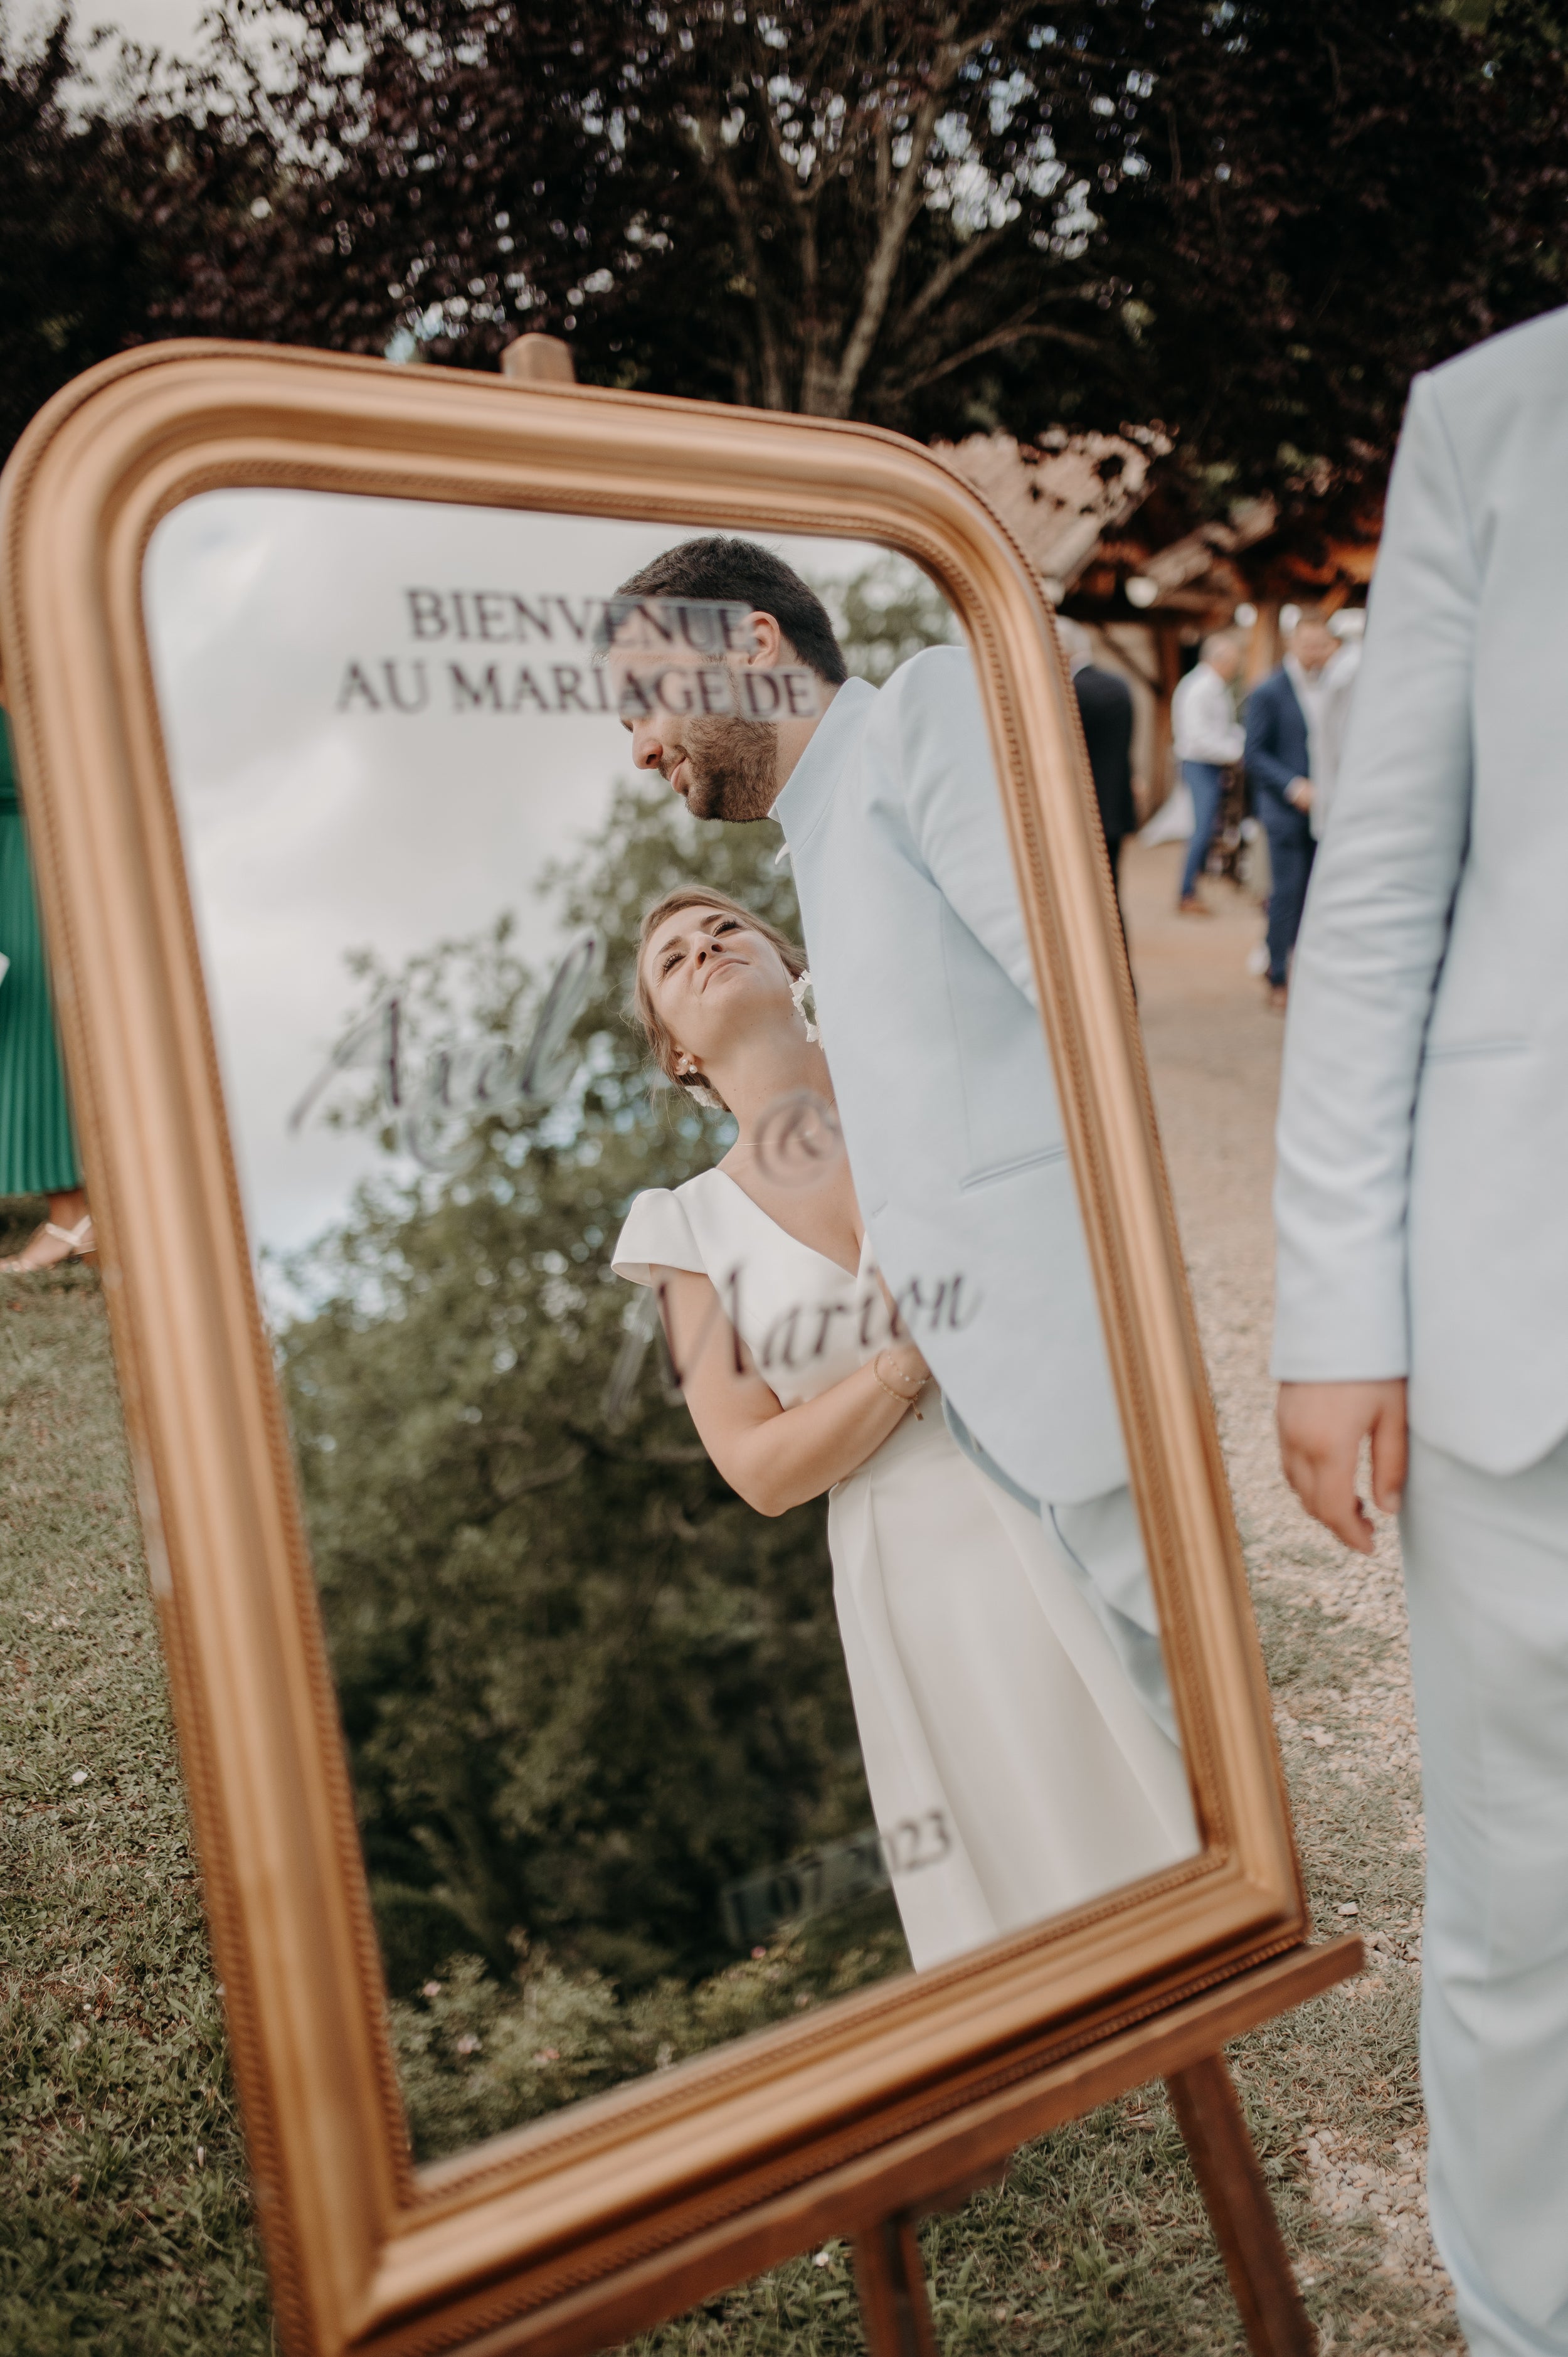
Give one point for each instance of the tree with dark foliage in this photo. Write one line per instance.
(834, 208)
(115, 212)
(1335, 197)
(1245, 219)
(1249, 219)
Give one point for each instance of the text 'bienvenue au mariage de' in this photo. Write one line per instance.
(492, 651)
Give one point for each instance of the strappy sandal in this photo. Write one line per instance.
(79, 1243)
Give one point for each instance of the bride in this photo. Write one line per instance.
(991, 1707)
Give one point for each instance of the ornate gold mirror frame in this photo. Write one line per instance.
(583, 2227)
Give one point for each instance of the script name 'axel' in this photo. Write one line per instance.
(460, 1085)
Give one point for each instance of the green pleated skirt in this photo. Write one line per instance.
(38, 1144)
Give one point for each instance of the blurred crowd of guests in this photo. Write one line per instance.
(1289, 748)
(1283, 751)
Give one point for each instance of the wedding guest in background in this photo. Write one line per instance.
(1208, 737)
(1105, 708)
(38, 1145)
(1284, 728)
(1423, 1266)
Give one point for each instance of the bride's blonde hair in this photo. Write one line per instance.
(660, 1045)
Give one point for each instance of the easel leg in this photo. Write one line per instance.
(891, 2280)
(1245, 2227)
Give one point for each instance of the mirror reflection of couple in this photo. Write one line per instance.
(993, 1600)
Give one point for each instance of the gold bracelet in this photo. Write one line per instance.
(904, 1399)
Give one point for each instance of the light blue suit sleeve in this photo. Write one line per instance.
(1376, 930)
(953, 805)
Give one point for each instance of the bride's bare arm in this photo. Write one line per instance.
(776, 1457)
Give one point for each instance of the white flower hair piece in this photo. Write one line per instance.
(798, 989)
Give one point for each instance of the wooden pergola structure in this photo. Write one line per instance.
(1114, 553)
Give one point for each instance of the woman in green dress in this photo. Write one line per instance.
(38, 1144)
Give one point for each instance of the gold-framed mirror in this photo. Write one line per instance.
(608, 1864)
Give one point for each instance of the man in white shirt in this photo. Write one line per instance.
(1208, 737)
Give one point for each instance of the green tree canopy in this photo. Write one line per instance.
(584, 1685)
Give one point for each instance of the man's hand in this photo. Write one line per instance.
(1299, 792)
(1322, 1427)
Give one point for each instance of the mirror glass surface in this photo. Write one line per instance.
(703, 1421)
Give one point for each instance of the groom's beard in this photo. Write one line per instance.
(734, 768)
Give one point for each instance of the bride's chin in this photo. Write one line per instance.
(752, 1028)
(782, 1032)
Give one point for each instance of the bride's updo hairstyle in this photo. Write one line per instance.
(660, 1045)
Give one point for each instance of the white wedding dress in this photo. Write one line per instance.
(990, 1704)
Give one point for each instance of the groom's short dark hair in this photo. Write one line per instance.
(739, 571)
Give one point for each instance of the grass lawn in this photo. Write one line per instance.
(124, 2216)
(124, 2220)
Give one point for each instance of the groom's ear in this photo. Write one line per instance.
(769, 647)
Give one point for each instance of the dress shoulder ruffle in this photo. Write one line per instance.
(657, 1234)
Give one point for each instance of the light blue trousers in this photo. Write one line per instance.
(1104, 1545)
(1486, 1561)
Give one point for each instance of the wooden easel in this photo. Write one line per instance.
(891, 2278)
(1182, 2046)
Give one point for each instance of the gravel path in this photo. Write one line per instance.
(1334, 1624)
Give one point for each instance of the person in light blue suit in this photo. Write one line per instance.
(926, 996)
(1283, 718)
(1422, 1290)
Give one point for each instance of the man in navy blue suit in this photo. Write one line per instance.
(1284, 727)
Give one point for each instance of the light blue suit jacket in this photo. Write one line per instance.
(1422, 1190)
(926, 997)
